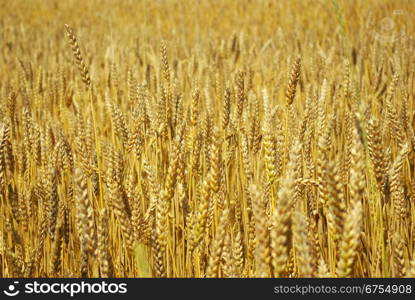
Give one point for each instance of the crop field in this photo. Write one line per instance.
(214, 138)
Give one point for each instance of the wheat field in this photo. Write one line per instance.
(214, 138)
